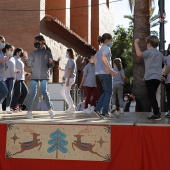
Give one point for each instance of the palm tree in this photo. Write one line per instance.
(154, 20)
(141, 30)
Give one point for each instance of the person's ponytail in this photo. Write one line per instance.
(47, 48)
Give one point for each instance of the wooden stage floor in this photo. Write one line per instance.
(134, 119)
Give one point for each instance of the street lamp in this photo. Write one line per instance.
(162, 14)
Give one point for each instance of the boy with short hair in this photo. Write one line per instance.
(153, 71)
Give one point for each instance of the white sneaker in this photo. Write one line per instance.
(0, 107)
(121, 110)
(91, 108)
(51, 113)
(113, 109)
(8, 110)
(88, 111)
(70, 110)
(29, 115)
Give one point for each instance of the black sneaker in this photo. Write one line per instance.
(155, 117)
(97, 113)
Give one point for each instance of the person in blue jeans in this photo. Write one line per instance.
(40, 61)
(10, 72)
(3, 59)
(104, 71)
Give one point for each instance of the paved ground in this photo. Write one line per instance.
(139, 119)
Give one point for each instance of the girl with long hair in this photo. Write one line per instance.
(9, 76)
(118, 85)
(104, 72)
(3, 59)
(20, 88)
(40, 61)
(70, 77)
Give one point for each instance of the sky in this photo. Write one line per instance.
(122, 8)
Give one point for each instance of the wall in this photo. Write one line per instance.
(20, 27)
(57, 4)
(79, 18)
(106, 18)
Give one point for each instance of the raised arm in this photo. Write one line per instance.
(28, 60)
(138, 51)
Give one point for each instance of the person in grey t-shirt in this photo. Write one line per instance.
(118, 85)
(153, 71)
(89, 82)
(70, 76)
(105, 72)
(166, 78)
(9, 77)
(3, 88)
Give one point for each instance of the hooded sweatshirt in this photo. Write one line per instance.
(38, 61)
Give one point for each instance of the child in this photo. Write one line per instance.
(118, 85)
(89, 82)
(153, 71)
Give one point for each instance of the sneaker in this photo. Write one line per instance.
(167, 114)
(87, 110)
(70, 110)
(8, 110)
(108, 116)
(121, 110)
(0, 107)
(29, 115)
(155, 117)
(91, 108)
(97, 113)
(51, 113)
(14, 110)
(113, 109)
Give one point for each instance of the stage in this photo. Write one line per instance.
(132, 143)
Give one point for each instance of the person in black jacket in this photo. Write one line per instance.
(133, 105)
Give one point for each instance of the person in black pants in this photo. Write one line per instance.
(166, 78)
(20, 88)
(153, 71)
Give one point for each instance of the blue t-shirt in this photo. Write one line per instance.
(100, 67)
(70, 64)
(117, 79)
(89, 73)
(153, 64)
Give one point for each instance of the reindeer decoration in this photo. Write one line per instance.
(84, 146)
(31, 144)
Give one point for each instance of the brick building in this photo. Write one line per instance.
(64, 23)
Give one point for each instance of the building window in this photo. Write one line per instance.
(107, 3)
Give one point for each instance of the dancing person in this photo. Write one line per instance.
(153, 71)
(3, 59)
(9, 76)
(20, 88)
(118, 85)
(40, 61)
(133, 105)
(105, 72)
(166, 77)
(70, 76)
(89, 82)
